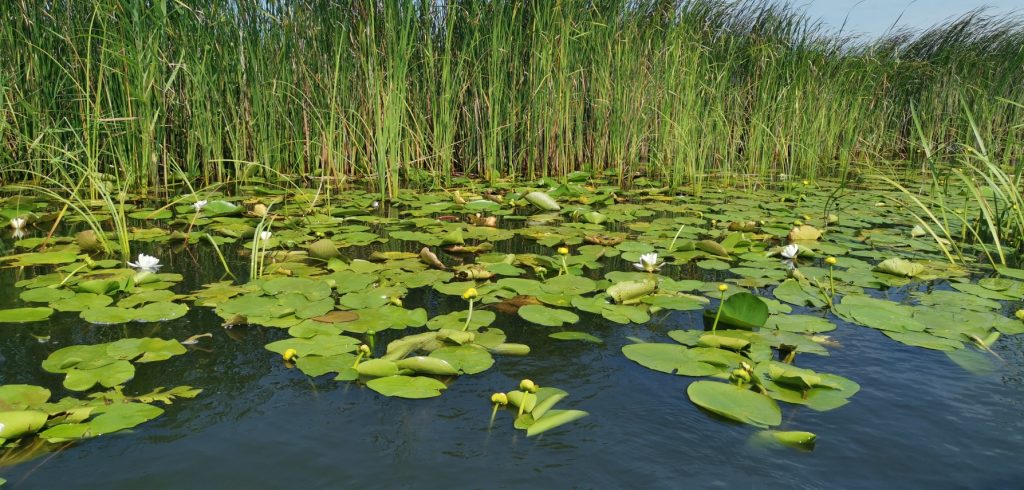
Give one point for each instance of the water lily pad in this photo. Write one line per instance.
(109, 375)
(553, 419)
(160, 311)
(586, 337)
(20, 397)
(407, 386)
(551, 317)
(899, 267)
(25, 315)
(678, 359)
(82, 302)
(109, 315)
(17, 423)
(735, 403)
(468, 359)
(45, 295)
(743, 310)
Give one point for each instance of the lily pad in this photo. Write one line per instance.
(25, 315)
(551, 317)
(407, 386)
(735, 403)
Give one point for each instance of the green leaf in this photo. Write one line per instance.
(17, 423)
(551, 317)
(553, 419)
(735, 403)
(586, 337)
(25, 315)
(407, 386)
(469, 359)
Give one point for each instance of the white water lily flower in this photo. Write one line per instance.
(18, 223)
(790, 251)
(18, 234)
(648, 262)
(199, 205)
(265, 235)
(146, 263)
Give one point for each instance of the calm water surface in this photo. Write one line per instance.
(919, 421)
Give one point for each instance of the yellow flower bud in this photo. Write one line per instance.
(289, 355)
(723, 287)
(527, 385)
(806, 182)
(470, 294)
(831, 261)
(365, 349)
(1020, 315)
(499, 398)
(563, 251)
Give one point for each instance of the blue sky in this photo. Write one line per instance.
(874, 17)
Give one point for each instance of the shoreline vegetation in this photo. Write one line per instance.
(410, 94)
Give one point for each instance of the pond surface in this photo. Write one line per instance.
(919, 420)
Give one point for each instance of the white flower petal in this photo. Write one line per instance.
(790, 251)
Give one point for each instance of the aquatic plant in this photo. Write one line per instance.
(428, 91)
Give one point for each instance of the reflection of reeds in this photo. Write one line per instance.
(424, 90)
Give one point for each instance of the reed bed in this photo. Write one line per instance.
(414, 93)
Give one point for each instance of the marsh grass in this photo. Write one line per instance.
(414, 93)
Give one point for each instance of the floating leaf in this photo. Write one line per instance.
(25, 315)
(735, 403)
(551, 317)
(553, 419)
(899, 267)
(586, 337)
(407, 386)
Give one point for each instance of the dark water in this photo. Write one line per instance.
(919, 421)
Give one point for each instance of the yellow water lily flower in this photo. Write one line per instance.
(470, 294)
(289, 355)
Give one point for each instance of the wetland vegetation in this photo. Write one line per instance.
(716, 227)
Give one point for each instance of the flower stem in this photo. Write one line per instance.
(469, 316)
(718, 314)
(494, 413)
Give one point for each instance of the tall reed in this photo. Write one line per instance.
(409, 92)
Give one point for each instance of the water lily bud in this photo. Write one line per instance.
(289, 355)
(723, 287)
(499, 398)
(563, 251)
(741, 374)
(470, 294)
(395, 300)
(365, 349)
(831, 261)
(798, 223)
(806, 182)
(1020, 315)
(527, 385)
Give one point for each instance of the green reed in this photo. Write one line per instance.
(412, 93)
